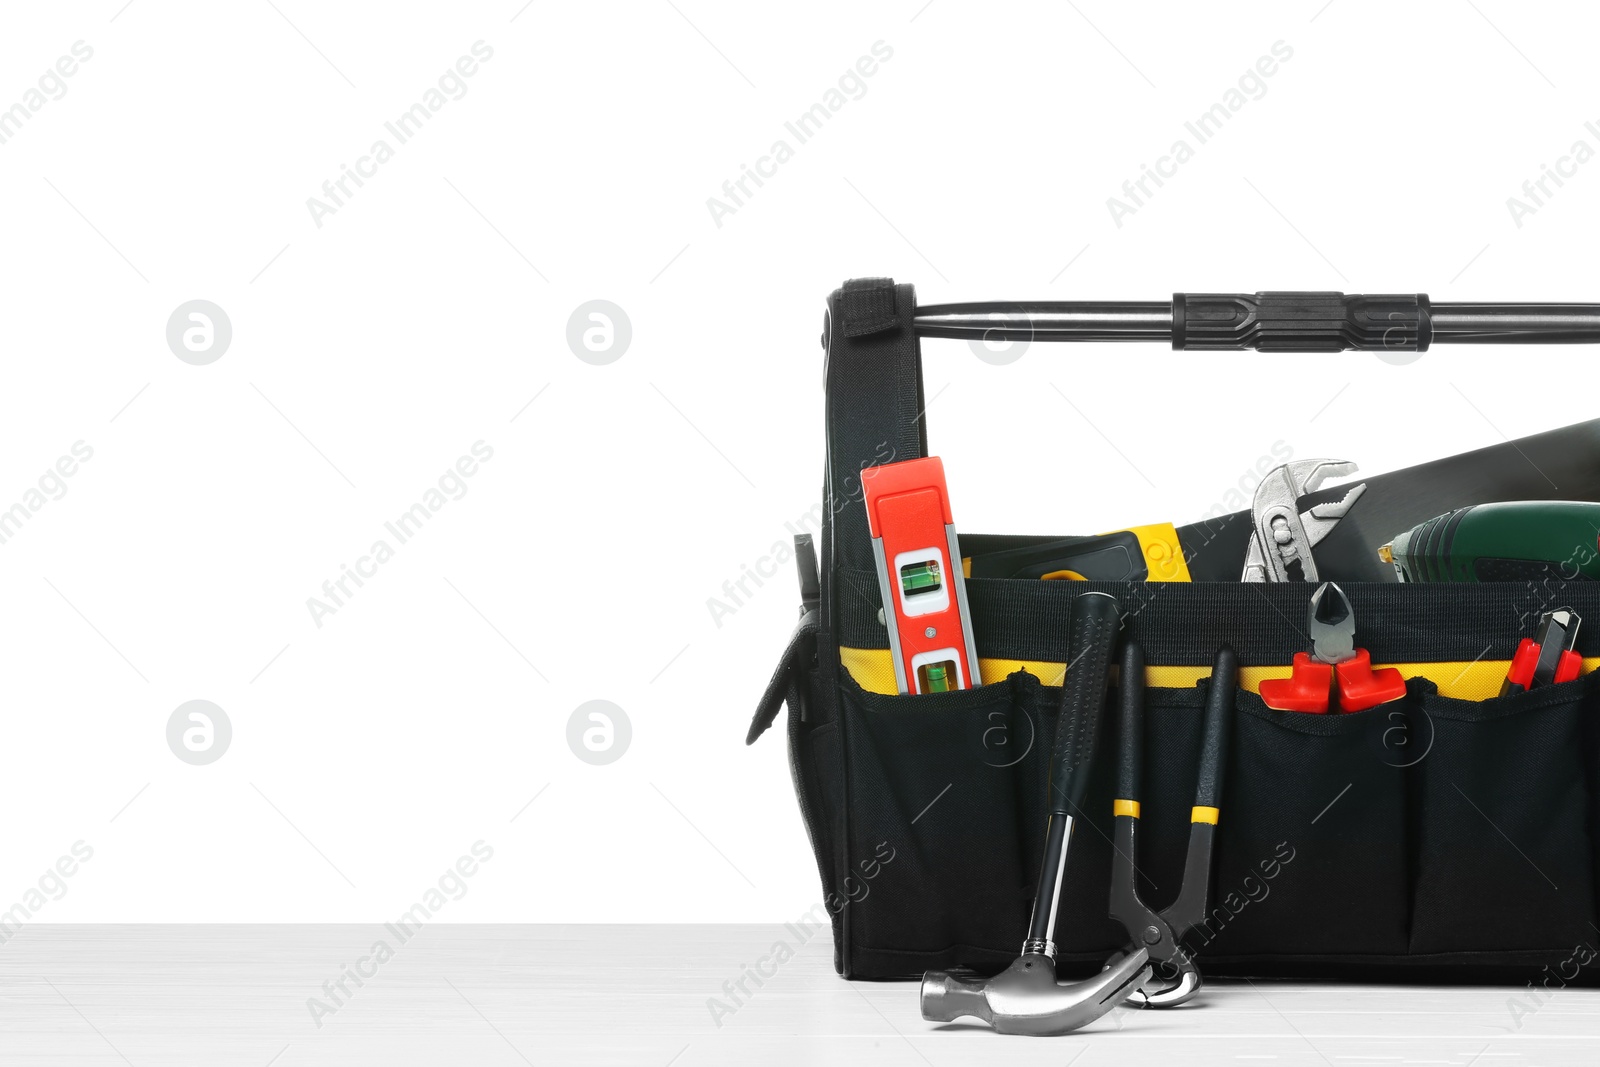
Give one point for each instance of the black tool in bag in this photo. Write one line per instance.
(1446, 835)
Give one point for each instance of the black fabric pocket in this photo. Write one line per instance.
(1312, 852)
(1417, 829)
(940, 786)
(1505, 856)
(816, 763)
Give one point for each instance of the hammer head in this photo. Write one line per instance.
(1025, 998)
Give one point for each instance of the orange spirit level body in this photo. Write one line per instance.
(919, 575)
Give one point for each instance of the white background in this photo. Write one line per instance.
(368, 354)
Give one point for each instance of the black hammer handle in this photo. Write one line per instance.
(1096, 618)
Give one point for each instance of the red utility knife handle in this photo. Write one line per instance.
(1523, 663)
(1526, 661)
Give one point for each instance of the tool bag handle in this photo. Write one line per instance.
(874, 404)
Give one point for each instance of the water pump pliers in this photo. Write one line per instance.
(1175, 977)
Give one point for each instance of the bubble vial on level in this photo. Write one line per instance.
(936, 677)
(920, 577)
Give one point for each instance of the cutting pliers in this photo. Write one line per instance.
(1334, 665)
(1175, 978)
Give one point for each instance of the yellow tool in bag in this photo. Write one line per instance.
(1150, 553)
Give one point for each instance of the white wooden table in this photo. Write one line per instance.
(598, 995)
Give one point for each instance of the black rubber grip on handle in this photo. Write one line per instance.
(1096, 618)
(1130, 721)
(1301, 322)
(1220, 700)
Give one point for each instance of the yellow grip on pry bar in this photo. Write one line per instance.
(1201, 813)
(1125, 807)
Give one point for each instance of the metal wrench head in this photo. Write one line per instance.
(1281, 535)
(1321, 519)
(1300, 476)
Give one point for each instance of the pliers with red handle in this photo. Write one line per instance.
(1334, 658)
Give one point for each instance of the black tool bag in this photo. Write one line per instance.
(1432, 837)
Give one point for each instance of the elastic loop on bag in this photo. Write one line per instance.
(866, 306)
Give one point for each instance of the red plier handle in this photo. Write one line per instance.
(1338, 666)
(1311, 685)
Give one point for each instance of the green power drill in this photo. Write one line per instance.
(1511, 541)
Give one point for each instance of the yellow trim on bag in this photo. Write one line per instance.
(1125, 807)
(1201, 813)
(873, 670)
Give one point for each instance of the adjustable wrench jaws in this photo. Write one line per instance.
(1281, 533)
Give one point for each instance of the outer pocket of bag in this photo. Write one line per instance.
(1312, 852)
(1505, 860)
(935, 816)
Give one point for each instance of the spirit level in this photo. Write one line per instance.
(919, 575)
